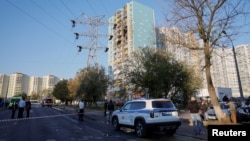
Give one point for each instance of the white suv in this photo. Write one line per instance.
(147, 115)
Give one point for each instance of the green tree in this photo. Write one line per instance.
(46, 93)
(160, 72)
(34, 96)
(206, 20)
(73, 85)
(61, 91)
(23, 94)
(93, 84)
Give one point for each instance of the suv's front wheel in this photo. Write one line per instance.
(116, 124)
(140, 128)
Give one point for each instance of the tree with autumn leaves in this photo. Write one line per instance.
(206, 21)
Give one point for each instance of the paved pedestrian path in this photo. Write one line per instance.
(187, 130)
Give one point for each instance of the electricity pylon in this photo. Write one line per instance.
(93, 34)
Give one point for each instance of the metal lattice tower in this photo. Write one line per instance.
(94, 23)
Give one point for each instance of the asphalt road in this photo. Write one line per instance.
(61, 123)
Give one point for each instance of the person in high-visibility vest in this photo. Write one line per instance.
(14, 108)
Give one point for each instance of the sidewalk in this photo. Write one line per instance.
(187, 130)
(184, 130)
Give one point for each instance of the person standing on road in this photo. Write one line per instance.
(193, 107)
(81, 110)
(232, 109)
(111, 108)
(13, 110)
(21, 106)
(28, 107)
(105, 108)
(203, 109)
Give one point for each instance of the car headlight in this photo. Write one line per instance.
(175, 113)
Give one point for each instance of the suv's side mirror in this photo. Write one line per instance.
(120, 109)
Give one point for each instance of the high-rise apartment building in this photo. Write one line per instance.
(132, 27)
(243, 59)
(4, 81)
(35, 84)
(48, 83)
(223, 69)
(18, 83)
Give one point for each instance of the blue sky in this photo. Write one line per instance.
(37, 37)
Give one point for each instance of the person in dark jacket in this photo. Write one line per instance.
(27, 108)
(203, 109)
(194, 107)
(13, 110)
(111, 108)
(105, 108)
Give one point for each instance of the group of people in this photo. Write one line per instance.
(198, 113)
(21, 106)
(109, 107)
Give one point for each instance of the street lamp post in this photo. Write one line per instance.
(237, 69)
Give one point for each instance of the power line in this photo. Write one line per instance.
(36, 20)
(67, 8)
(44, 25)
(59, 9)
(91, 6)
(49, 14)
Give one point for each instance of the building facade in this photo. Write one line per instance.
(243, 59)
(4, 82)
(132, 27)
(18, 83)
(223, 69)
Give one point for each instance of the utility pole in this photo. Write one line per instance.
(237, 69)
(93, 33)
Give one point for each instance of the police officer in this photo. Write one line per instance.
(14, 108)
(28, 107)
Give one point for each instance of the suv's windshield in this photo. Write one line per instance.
(134, 105)
(162, 104)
